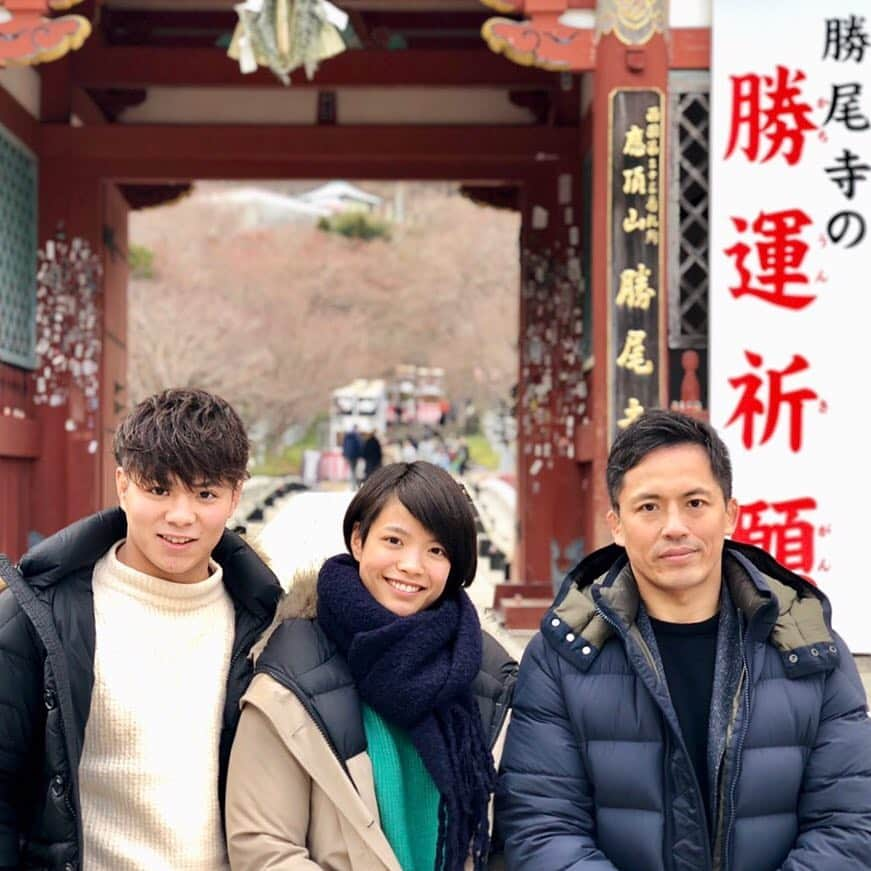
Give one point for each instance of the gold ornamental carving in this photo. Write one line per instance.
(633, 22)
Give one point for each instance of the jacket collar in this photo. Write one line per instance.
(300, 602)
(599, 598)
(74, 547)
(249, 581)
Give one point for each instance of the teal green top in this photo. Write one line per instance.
(408, 801)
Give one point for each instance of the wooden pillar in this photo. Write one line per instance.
(551, 399)
(56, 91)
(67, 472)
(619, 64)
(114, 401)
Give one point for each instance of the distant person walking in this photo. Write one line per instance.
(408, 451)
(352, 450)
(372, 455)
(461, 457)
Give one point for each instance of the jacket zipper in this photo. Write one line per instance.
(648, 655)
(241, 650)
(668, 854)
(311, 711)
(730, 830)
(67, 792)
(498, 724)
(724, 833)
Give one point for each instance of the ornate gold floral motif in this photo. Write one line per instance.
(633, 22)
(505, 7)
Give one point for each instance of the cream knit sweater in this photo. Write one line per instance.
(149, 768)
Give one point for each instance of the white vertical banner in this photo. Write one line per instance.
(790, 304)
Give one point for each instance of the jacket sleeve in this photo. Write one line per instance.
(21, 713)
(268, 800)
(834, 806)
(544, 799)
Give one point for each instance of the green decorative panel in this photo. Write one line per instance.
(18, 244)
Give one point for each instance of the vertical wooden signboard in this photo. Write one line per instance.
(635, 222)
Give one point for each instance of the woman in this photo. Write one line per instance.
(366, 736)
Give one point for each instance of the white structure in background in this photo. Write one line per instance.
(362, 403)
(416, 395)
(789, 306)
(258, 207)
(340, 196)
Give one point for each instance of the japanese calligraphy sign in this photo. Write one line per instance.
(790, 307)
(635, 221)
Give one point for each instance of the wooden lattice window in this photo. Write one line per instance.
(689, 198)
(18, 243)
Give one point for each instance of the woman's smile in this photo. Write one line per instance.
(404, 568)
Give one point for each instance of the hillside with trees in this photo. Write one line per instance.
(274, 315)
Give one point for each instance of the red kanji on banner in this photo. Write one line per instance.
(788, 538)
(750, 405)
(780, 253)
(783, 120)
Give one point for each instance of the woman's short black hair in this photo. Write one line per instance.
(434, 499)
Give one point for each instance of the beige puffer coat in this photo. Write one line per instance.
(301, 791)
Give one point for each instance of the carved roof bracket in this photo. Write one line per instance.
(29, 36)
(544, 39)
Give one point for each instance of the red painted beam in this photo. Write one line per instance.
(125, 170)
(173, 153)
(97, 66)
(19, 437)
(689, 48)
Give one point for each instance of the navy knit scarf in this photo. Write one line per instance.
(417, 673)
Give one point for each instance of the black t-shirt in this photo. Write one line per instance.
(688, 651)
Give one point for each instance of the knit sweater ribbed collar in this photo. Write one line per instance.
(158, 592)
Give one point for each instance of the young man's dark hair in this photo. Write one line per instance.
(123, 656)
(189, 434)
(686, 704)
(431, 496)
(659, 428)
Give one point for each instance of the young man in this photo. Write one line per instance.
(123, 643)
(686, 705)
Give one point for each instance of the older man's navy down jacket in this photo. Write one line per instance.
(595, 773)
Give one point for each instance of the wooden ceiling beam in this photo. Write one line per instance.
(140, 171)
(86, 109)
(435, 6)
(409, 19)
(104, 67)
(146, 153)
